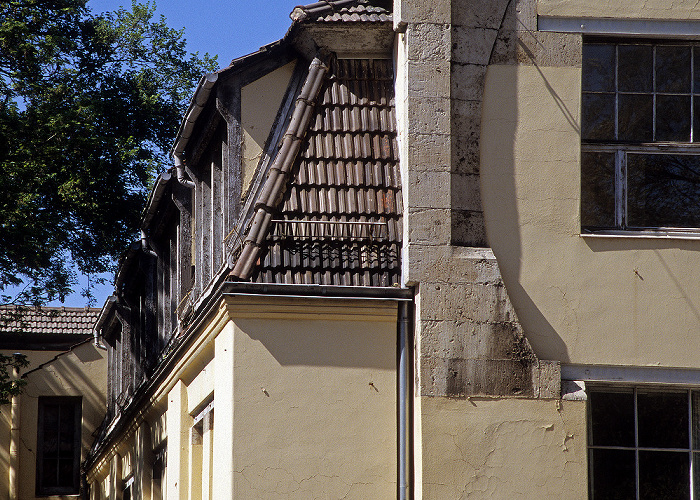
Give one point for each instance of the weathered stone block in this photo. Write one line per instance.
(468, 81)
(428, 151)
(548, 381)
(472, 377)
(466, 192)
(449, 264)
(428, 42)
(430, 115)
(429, 78)
(429, 188)
(478, 14)
(468, 228)
(466, 156)
(481, 303)
(420, 11)
(472, 45)
(429, 226)
(521, 15)
(540, 48)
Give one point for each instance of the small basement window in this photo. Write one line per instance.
(643, 443)
(640, 135)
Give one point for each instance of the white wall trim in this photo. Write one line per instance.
(610, 26)
(631, 374)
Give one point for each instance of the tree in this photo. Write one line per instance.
(10, 385)
(89, 106)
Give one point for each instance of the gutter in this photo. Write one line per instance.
(142, 393)
(199, 100)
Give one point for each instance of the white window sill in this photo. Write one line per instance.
(654, 235)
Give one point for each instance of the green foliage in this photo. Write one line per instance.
(89, 106)
(9, 384)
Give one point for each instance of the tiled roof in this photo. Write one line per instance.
(344, 11)
(48, 320)
(339, 219)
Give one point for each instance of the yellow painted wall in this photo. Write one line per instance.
(304, 396)
(503, 449)
(636, 9)
(581, 300)
(260, 102)
(315, 401)
(80, 372)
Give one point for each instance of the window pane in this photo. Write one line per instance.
(663, 419)
(635, 73)
(612, 418)
(663, 190)
(696, 474)
(696, 119)
(672, 118)
(612, 474)
(50, 473)
(598, 117)
(672, 69)
(597, 189)
(664, 475)
(696, 423)
(635, 118)
(598, 68)
(696, 69)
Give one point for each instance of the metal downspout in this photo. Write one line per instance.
(405, 351)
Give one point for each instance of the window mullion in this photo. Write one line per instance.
(653, 93)
(620, 189)
(690, 443)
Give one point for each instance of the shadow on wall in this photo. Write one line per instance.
(342, 344)
(497, 168)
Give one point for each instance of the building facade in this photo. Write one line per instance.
(426, 250)
(47, 431)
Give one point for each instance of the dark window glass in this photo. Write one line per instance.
(673, 69)
(598, 68)
(696, 118)
(598, 119)
(58, 446)
(663, 190)
(612, 474)
(635, 68)
(635, 94)
(664, 475)
(663, 419)
(598, 189)
(636, 117)
(673, 118)
(612, 418)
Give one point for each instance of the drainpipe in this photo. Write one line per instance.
(180, 171)
(405, 349)
(145, 246)
(14, 444)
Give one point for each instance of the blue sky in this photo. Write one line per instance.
(227, 28)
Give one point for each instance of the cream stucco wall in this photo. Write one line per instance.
(503, 448)
(79, 372)
(314, 400)
(620, 301)
(260, 102)
(634, 9)
(304, 402)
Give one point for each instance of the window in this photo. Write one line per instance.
(58, 446)
(643, 444)
(640, 134)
